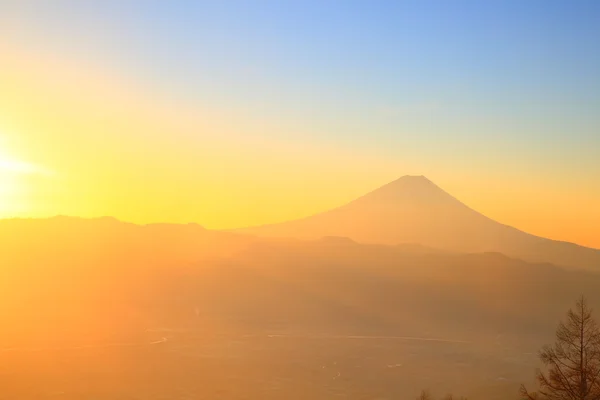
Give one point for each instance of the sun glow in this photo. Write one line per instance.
(8, 185)
(14, 174)
(16, 167)
(8, 190)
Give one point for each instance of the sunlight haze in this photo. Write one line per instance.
(300, 199)
(231, 115)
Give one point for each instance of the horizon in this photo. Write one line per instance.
(405, 178)
(230, 114)
(299, 199)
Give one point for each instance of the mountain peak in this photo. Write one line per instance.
(413, 180)
(408, 188)
(413, 209)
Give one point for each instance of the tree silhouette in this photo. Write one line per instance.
(572, 364)
(424, 395)
(450, 396)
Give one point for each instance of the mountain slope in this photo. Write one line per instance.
(108, 241)
(413, 209)
(149, 308)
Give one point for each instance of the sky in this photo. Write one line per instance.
(238, 113)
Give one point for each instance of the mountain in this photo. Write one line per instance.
(287, 319)
(150, 308)
(413, 209)
(107, 241)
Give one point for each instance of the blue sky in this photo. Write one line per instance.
(363, 62)
(520, 76)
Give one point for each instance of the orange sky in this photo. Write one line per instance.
(79, 139)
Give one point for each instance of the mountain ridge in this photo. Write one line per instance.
(413, 209)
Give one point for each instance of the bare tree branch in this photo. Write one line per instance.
(572, 365)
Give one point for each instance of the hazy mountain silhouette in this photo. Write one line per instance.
(153, 306)
(413, 209)
(101, 241)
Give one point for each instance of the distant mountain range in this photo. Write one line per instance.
(171, 300)
(68, 278)
(413, 209)
(384, 297)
